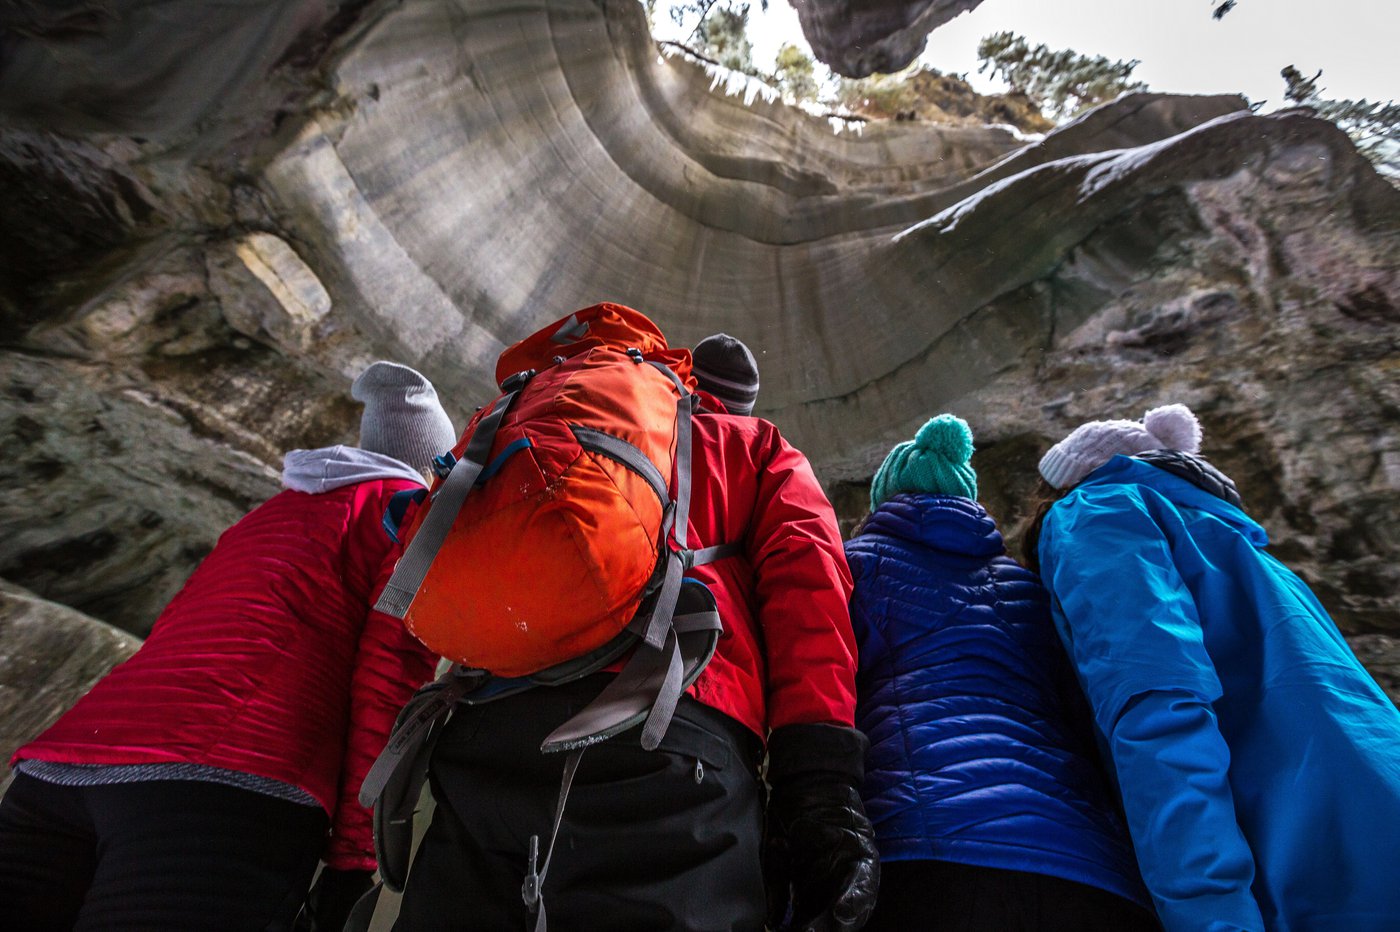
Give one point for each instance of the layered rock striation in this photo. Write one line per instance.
(429, 181)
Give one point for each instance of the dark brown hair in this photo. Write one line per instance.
(1044, 496)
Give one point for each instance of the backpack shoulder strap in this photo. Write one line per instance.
(413, 566)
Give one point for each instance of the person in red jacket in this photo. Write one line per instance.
(197, 785)
(676, 839)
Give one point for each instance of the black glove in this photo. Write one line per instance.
(819, 854)
(332, 897)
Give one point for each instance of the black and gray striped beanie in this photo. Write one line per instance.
(725, 368)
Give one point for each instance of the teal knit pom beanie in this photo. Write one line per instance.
(935, 461)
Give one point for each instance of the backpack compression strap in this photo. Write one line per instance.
(413, 566)
(394, 783)
(654, 677)
(675, 523)
(651, 682)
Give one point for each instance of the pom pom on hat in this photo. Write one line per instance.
(403, 417)
(948, 436)
(936, 461)
(1089, 446)
(1175, 426)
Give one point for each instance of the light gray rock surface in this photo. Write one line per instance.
(50, 656)
(454, 174)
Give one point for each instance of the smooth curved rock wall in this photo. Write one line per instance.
(458, 173)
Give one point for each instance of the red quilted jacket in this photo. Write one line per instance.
(269, 661)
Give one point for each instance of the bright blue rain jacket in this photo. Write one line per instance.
(981, 749)
(1258, 762)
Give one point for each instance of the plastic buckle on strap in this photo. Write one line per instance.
(635, 354)
(442, 465)
(517, 381)
(530, 889)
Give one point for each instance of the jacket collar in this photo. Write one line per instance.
(943, 522)
(1125, 470)
(1195, 470)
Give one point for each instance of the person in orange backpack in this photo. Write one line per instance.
(685, 836)
(197, 785)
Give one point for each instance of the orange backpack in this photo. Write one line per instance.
(553, 543)
(557, 521)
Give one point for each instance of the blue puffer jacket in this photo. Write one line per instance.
(1258, 762)
(981, 751)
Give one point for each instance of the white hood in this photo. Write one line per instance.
(329, 468)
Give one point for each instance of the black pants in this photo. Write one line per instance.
(174, 855)
(939, 896)
(665, 839)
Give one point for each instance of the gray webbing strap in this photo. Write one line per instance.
(570, 331)
(666, 370)
(413, 566)
(636, 688)
(615, 448)
(717, 552)
(429, 705)
(532, 890)
(684, 409)
(654, 633)
(619, 705)
(689, 657)
(667, 695)
(660, 621)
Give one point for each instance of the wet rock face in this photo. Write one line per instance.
(457, 174)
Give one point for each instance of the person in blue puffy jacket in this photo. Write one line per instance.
(990, 808)
(1258, 762)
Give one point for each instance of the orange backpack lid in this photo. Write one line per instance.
(605, 324)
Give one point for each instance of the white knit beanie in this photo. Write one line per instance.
(1171, 427)
(402, 416)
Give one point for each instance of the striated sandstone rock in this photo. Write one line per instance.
(50, 656)
(290, 302)
(468, 171)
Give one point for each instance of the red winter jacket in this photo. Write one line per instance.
(269, 661)
(787, 655)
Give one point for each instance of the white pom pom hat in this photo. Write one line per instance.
(1170, 427)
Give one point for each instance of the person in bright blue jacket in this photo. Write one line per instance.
(990, 808)
(1258, 762)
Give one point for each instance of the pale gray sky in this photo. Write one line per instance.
(1180, 46)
